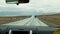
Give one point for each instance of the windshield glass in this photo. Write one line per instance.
(46, 11)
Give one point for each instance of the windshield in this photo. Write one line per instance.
(31, 9)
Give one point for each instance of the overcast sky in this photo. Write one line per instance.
(44, 6)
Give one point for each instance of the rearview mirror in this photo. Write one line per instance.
(16, 1)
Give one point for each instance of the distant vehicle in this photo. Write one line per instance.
(16, 1)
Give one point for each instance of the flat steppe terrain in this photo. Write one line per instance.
(54, 19)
